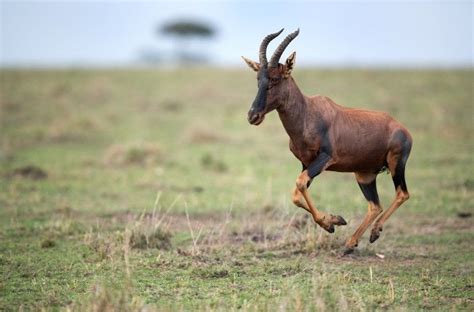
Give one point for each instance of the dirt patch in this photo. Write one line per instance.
(29, 172)
(274, 234)
(262, 231)
(254, 235)
(463, 214)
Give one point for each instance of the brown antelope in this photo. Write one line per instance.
(327, 136)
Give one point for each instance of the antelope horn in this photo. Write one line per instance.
(279, 51)
(263, 47)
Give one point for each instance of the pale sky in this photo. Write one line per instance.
(361, 33)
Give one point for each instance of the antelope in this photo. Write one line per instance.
(327, 136)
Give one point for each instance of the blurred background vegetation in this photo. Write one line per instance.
(130, 178)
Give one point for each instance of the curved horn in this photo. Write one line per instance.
(263, 47)
(279, 51)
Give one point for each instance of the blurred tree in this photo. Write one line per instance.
(184, 31)
(188, 29)
(150, 57)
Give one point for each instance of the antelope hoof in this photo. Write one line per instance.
(375, 234)
(347, 251)
(330, 228)
(338, 220)
(335, 220)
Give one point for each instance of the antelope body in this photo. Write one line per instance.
(327, 136)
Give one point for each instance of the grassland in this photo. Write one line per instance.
(126, 189)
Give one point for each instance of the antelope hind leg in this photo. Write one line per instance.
(396, 158)
(368, 186)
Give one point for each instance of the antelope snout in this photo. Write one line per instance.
(255, 118)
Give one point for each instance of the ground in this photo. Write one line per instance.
(148, 188)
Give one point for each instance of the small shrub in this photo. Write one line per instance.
(142, 154)
(48, 243)
(30, 172)
(210, 162)
(209, 272)
(106, 245)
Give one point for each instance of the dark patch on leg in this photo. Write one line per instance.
(370, 192)
(399, 177)
(404, 144)
(316, 167)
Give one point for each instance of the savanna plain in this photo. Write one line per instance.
(148, 189)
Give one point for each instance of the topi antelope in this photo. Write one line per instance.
(327, 136)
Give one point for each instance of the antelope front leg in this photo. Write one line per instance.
(299, 201)
(326, 221)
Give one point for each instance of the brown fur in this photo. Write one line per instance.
(355, 140)
(359, 138)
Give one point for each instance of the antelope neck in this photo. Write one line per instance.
(292, 111)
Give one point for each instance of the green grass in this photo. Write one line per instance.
(159, 194)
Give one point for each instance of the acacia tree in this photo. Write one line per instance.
(184, 31)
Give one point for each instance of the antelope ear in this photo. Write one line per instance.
(290, 63)
(254, 65)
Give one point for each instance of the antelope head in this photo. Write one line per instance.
(272, 78)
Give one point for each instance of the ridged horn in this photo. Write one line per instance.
(281, 48)
(263, 47)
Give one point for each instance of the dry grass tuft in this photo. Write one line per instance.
(105, 245)
(264, 231)
(147, 233)
(142, 154)
(61, 227)
(68, 129)
(139, 235)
